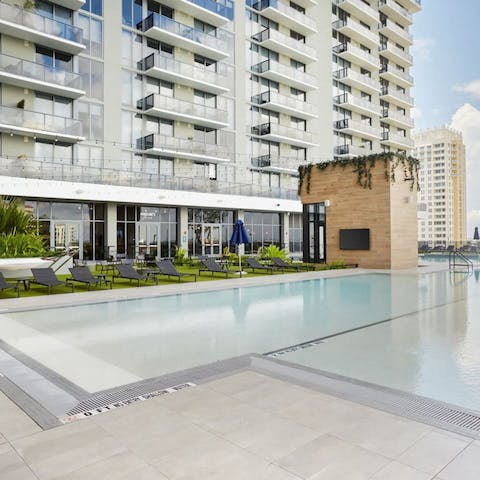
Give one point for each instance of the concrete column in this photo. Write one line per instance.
(183, 227)
(111, 229)
(286, 230)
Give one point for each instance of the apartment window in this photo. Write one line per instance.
(53, 60)
(204, 27)
(299, 94)
(52, 105)
(204, 98)
(298, 123)
(366, 120)
(161, 126)
(262, 21)
(297, 7)
(57, 152)
(162, 87)
(94, 6)
(132, 13)
(154, 7)
(366, 96)
(153, 46)
(298, 153)
(264, 52)
(55, 12)
(297, 36)
(91, 116)
(205, 135)
(92, 35)
(265, 82)
(205, 62)
(298, 65)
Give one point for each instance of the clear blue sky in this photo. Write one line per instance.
(446, 54)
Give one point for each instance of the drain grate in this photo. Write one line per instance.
(105, 402)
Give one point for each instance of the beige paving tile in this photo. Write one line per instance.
(118, 466)
(12, 466)
(2, 439)
(64, 450)
(312, 457)
(237, 383)
(432, 452)
(271, 437)
(466, 466)
(398, 471)
(14, 423)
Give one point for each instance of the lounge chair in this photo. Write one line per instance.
(282, 265)
(209, 265)
(4, 285)
(167, 268)
(129, 273)
(82, 274)
(254, 264)
(47, 278)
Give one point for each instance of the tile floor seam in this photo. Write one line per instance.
(23, 459)
(453, 459)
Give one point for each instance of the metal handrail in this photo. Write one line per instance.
(455, 255)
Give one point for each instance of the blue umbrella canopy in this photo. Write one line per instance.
(240, 234)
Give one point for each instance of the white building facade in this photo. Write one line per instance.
(140, 126)
(442, 180)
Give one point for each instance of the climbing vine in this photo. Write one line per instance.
(362, 167)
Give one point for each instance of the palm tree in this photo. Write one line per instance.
(13, 219)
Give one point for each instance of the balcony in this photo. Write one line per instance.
(396, 140)
(357, 104)
(172, 70)
(356, 55)
(285, 74)
(359, 129)
(35, 28)
(397, 97)
(356, 31)
(395, 12)
(396, 55)
(397, 119)
(157, 105)
(187, 149)
(282, 104)
(38, 77)
(397, 76)
(357, 80)
(395, 33)
(350, 151)
(209, 11)
(285, 45)
(71, 4)
(166, 30)
(413, 6)
(18, 121)
(283, 134)
(360, 10)
(287, 16)
(274, 164)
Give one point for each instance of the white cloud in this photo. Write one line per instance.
(416, 113)
(422, 49)
(471, 88)
(467, 120)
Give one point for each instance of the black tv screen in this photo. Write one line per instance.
(357, 239)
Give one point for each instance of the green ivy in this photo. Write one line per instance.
(362, 167)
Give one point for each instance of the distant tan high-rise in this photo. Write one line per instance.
(442, 179)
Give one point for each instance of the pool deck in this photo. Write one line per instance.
(243, 424)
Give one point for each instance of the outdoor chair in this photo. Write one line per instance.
(4, 285)
(254, 264)
(209, 265)
(47, 278)
(168, 269)
(127, 272)
(82, 274)
(282, 265)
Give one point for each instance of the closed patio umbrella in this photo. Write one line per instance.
(239, 236)
(476, 236)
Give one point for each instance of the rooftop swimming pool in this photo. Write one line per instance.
(431, 346)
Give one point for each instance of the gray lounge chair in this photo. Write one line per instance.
(167, 268)
(209, 265)
(254, 264)
(129, 273)
(4, 285)
(282, 265)
(47, 278)
(82, 274)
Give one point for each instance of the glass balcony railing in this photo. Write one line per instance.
(48, 170)
(39, 122)
(357, 27)
(288, 11)
(357, 52)
(282, 131)
(389, 47)
(397, 94)
(398, 8)
(348, 73)
(285, 71)
(37, 71)
(397, 72)
(221, 7)
(351, 150)
(29, 19)
(290, 103)
(182, 108)
(288, 42)
(348, 123)
(349, 99)
(398, 117)
(397, 138)
(172, 65)
(217, 41)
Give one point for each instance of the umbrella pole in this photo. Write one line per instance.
(240, 261)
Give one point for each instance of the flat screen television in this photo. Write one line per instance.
(355, 239)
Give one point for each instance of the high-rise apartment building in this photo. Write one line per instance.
(442, 180)
(137, 126)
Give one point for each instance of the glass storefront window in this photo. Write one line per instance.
(265, 229)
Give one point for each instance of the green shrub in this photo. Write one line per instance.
(270, 251)
(232, 257)
(338, 264)
(180, 256)
(21, 245)
(13, 219)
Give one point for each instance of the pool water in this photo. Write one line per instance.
(110, 344)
